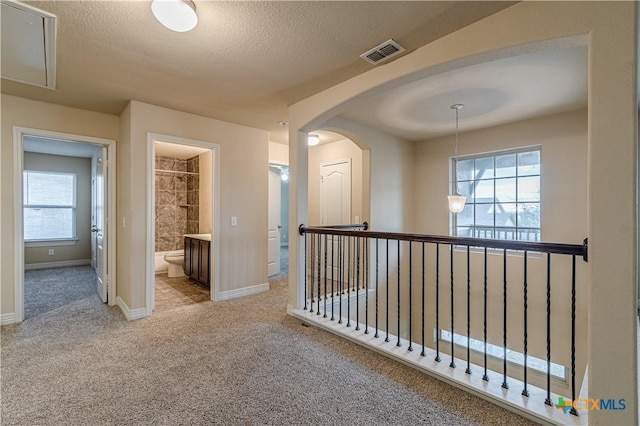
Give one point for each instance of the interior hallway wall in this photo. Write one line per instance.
(243, 194)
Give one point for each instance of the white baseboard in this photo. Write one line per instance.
(7, 318)
(245, 291)
(131, 314)
(59, 264)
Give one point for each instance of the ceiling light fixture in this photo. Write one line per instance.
(177, 15)
(456, 201)
(313, 140)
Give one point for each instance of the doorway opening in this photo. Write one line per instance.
(182, 216)
(338, 181)
(278, 219)
(63, 244)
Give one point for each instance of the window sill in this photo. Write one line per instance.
(51, 243)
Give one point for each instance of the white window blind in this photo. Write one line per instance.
(49, 205)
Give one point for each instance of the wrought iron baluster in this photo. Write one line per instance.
(452, 364)
(387, 303)
(333, 268)
(525, 391)
(398, 260)
(357, 250)
(485, 377)
(410, 292)
(348, 281)
(319, 271)
(423, 301)
(340, 276)
(468, 370)
(505, 385)
(306, 237)
(365, 248)
(313, 270)
(548, 399)
(377, 285)
(326, 236)
(437, 302)
(573, 333)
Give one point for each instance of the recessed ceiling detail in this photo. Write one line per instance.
(383, 52)
(494, 93)
(28, 44)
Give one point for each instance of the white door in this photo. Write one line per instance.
(335, 192)
(335, 204)
(99, 225)
(273, 234)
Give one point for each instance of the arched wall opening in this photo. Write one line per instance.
(354, 155)
(610, 34)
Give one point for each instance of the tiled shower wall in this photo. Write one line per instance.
(177, 200)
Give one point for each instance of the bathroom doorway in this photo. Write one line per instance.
(182, 218)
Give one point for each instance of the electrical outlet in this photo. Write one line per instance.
(51, 252)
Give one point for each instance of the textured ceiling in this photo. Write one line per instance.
(244, 63)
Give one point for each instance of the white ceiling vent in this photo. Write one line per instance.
(28, 44)
(383, 52)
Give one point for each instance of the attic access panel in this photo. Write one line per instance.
(28, 44)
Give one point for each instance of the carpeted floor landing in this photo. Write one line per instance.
(237, 362)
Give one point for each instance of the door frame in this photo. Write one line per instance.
(151, 216)
(273, 169)
(18, 231)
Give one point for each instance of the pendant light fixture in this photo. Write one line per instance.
(456, 201)
(177, 15)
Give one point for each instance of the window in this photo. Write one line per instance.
(49, 205)
(503, 195)
(557, 371)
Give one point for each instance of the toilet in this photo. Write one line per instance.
(175, 260)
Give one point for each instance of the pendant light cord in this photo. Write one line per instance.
(457, 107)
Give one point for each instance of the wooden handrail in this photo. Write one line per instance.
(361, 230)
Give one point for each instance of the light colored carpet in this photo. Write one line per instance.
(237, 362)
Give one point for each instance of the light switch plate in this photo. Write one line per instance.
(234, 220)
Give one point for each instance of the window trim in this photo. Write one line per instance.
(453, 182)
(41, 242)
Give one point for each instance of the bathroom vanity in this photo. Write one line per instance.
(197, 252)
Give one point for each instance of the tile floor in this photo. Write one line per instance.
(175, 292)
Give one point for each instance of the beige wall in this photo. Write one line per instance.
(563, 142)
(387, 167)
(82, 168)
(609, 30)
(340, 150)
(278, 153)
(243, 193)
(38, 115)
(564, 207)
(206, 192)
